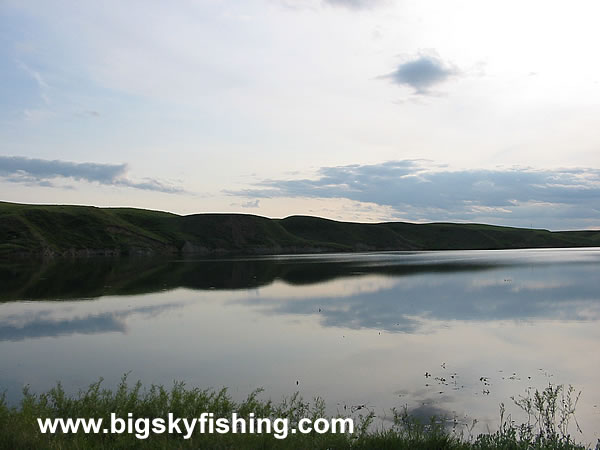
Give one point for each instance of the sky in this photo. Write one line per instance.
(354, 110)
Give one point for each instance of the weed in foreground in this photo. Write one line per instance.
(549, 415)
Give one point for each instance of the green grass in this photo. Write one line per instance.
(30, 230)
(549, 413)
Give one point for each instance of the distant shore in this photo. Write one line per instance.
(84, 231)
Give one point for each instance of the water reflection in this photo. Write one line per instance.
(38, 324)
(500, 294)
(358, 330)
(394, 292)
(63, 280)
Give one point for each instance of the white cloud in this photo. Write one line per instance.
(416, 190)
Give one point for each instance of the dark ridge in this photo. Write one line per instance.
(48, 231)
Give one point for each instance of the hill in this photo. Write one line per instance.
(56, 230)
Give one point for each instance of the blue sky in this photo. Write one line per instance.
(364, 110)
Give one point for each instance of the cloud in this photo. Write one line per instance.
(90, 113)
(19, 169)
(246, 204)
(251, 204)
(354, 4)
(39, 325)
(422, 73)
(37, 77)
(409, 300)
(419, 191)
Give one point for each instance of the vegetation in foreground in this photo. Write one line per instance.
(57, 230)
(549, 412)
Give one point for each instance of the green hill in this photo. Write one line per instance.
(37, 230)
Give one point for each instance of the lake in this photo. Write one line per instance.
(451, 333)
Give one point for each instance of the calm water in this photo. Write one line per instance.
(358, 329)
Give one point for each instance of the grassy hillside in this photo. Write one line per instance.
(27, 230)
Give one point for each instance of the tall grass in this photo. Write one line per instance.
(549, 413)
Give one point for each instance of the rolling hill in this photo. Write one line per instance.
(57, 230)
